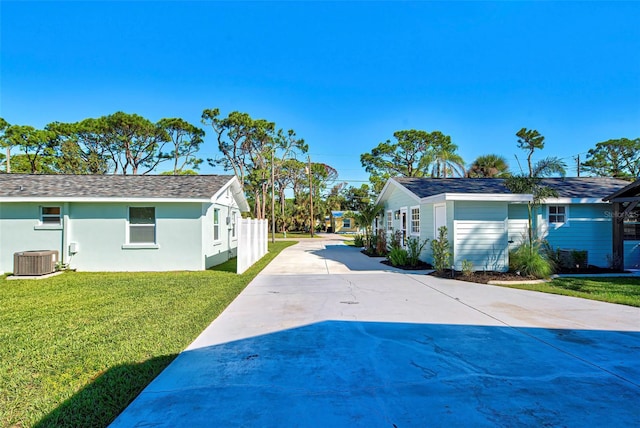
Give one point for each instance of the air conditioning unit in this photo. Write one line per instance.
(30, 263)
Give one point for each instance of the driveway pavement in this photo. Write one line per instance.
(328, 337)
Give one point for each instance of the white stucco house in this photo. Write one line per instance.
(121, 222)
(485, 220)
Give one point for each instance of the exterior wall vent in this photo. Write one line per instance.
(34, 262)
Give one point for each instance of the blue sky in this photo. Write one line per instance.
(343, 75)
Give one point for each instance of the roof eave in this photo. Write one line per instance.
(236, 191)
(63, 199)
(493, 197)
(399, 185)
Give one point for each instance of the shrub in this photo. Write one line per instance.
(441, 251)
(467, 268)
(529, 260)
(414, 248)
(358, 240)
(396, 241)
(398, 256)
(381, 244)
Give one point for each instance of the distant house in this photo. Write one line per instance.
(340, 222)
(121, 222)
(485, 220)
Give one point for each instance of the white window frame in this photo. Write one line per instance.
(130, 244)
(389, 225)
(216, 225)
(566, 214)
(415, 223)
(346, 225)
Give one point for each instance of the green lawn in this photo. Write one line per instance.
(625, 291)
(77, 348)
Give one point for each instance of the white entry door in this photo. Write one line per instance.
(439, 217)
(403, 225)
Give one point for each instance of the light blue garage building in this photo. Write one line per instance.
(121, 222)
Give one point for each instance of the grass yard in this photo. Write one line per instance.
(625, 291)
(79, 347)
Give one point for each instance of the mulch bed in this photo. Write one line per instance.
(485, 277)
(419, 266)
(482, 277)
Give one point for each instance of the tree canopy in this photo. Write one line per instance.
(618, 158)
(414, 153)
(489, 166)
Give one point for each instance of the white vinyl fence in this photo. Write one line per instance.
(252, 242)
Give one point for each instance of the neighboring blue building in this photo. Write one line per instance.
(485, 220)
(121, 222)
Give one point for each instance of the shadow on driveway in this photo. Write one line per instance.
(381, 374)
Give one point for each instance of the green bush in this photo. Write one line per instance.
(398, 256)
(414, 248)
(396, 241)
(529, 260)
(358, 240)
(467, 267)
(441, 251)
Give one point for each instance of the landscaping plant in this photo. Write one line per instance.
(414, 249)
(529, 260)
(441, 251)
(381, 243)
(467, 268)
(398, 256)
(358, 240)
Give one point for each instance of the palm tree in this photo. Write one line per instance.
(489, 166)
(365, 217)
(444, 159)
(531, 140)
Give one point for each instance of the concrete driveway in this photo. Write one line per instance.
(328, 337)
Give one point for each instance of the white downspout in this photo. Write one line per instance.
(65, 237)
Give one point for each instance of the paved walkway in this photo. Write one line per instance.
(328, 337)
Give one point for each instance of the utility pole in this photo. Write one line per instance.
(310, 196)
(577, 158)
(273, 199)
(8, 160)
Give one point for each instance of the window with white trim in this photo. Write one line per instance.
(415, 220)
(346, 223)
(557, 214)
(142, 225)
(389, 220)
(50, 216)
(216, 224)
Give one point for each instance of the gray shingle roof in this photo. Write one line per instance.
(632, 190)
(573, 187)
(111, 186)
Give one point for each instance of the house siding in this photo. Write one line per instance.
(19, 231)
(100, 232)
(587, 228)
(480, 235)
(225, 248)
(396, 201)
(517, 225)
